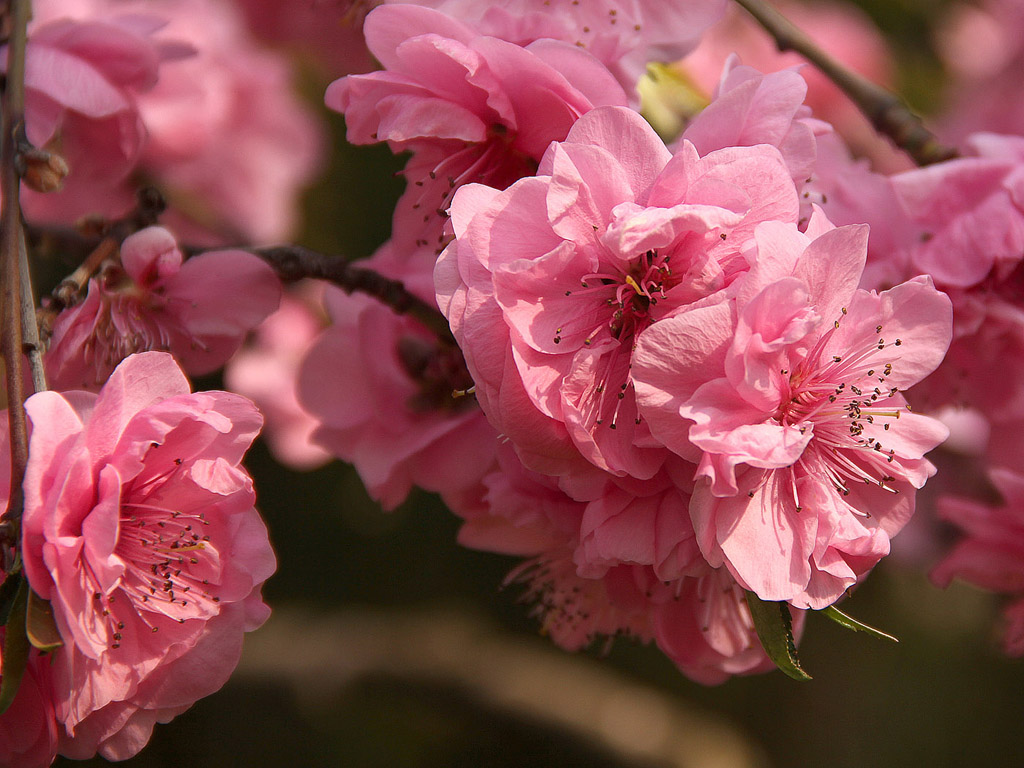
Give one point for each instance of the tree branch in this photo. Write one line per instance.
(12, 136)
(294, 262)
(886, 111)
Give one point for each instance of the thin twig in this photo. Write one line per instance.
(294, 262)
(886, 111)
(12, 132)
(29, 327)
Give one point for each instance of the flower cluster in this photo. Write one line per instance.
(679, 373)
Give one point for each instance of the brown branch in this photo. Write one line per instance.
(886, 111)
(12, 136)
(294, 262)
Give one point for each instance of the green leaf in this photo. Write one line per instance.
(849, 622)
(40, 625)
(774, 628)
(16, 648)
(8, 591)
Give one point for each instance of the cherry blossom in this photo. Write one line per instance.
(810, 455)
(552, 281)
(471, 108)
(140, 531)
(582, 592)
(199, 310)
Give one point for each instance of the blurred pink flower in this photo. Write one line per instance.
(82, 78)
(230, 142)
(199, 310)
(266, 371)
(381, 386)
(795, 381)
(139, 528)
(991, 554)
(971, 211)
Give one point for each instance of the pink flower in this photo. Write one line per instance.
(991, 554)
(971, 210)
(550, 283)
(139, 528)
(752, 108)
(843, 30)
(381, 387)
(585, 591)
(199, 310)
(792, 385)
(266, 371)
(470, 108)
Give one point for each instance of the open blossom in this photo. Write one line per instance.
(791, 391)
(470, 108)
(623, 34)
(991, 554)
(199, 310)
(550, 283)
(140, 531)
(381, 387)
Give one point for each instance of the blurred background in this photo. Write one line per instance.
(392, 646)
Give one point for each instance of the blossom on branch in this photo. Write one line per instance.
(153, 299)
(139, 529)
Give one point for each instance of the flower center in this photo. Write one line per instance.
(845, 398)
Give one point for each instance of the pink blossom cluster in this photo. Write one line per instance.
(675, 378)
(669, 388)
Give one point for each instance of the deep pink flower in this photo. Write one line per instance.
(550, 283)
(28, 729)
(381, 387)
(199, 310)
(991, 554)
(470, 108)
(793, 387)
(139, 528)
